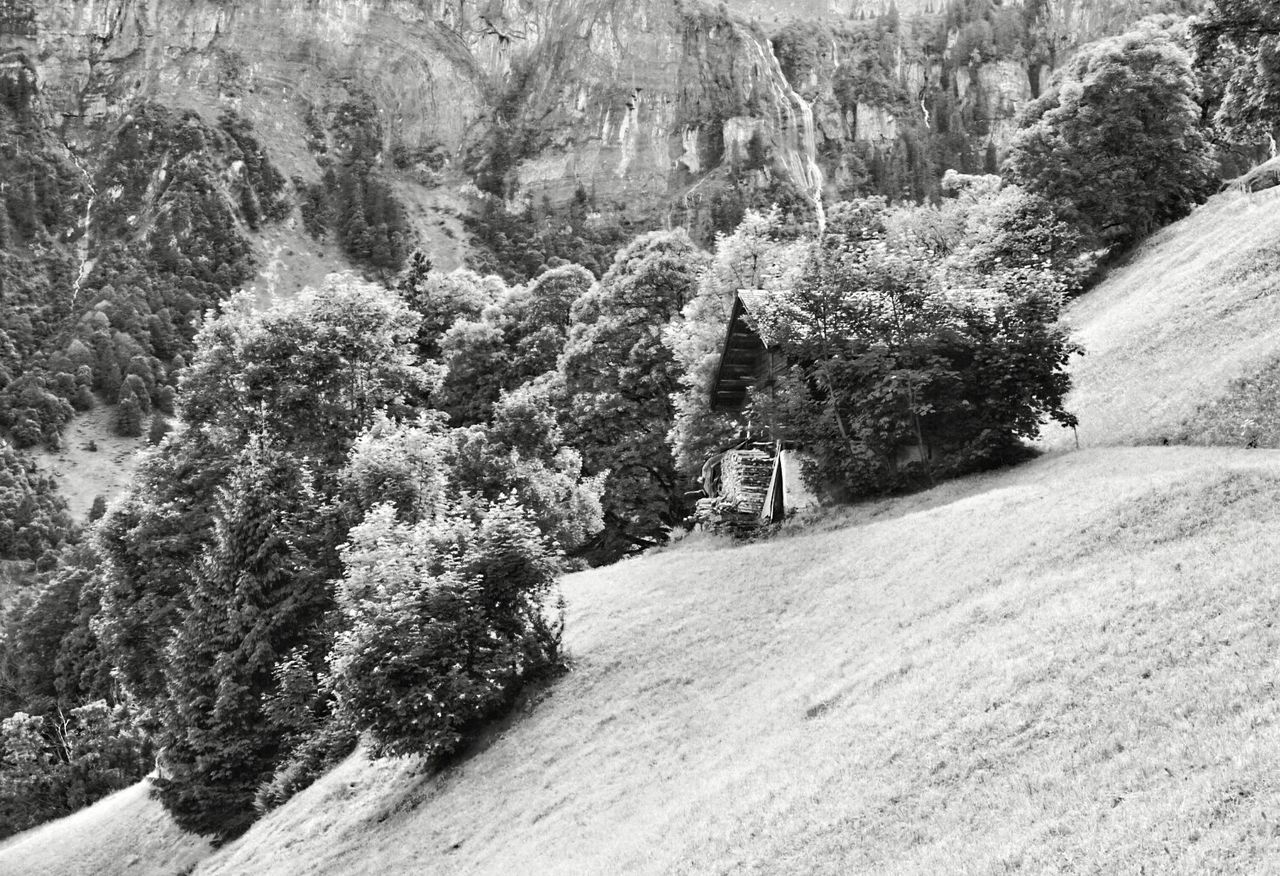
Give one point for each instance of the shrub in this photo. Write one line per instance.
(315, 755)
(157, 430)
(82, 399)
(446, 619)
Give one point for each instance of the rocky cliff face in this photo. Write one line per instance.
(269, 58)
(653, 108)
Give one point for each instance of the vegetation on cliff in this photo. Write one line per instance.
(115, 320)
(353, 200)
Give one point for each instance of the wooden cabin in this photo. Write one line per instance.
(757, 480)
(760, 478)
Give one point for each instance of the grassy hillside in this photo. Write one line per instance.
(1181, 342)
(127, 832)
(84, 474)
(1065, 667)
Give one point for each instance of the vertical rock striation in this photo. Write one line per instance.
(646, 105)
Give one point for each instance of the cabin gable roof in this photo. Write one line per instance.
(740, 357)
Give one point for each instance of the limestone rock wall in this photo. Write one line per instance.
(639, 102)
(266, 57)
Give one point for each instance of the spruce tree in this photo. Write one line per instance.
(256, 597)
(150, 540)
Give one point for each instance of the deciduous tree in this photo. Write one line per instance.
(1238, 51)
(1116, 140)
(618, 381)
(309, 374)
(900, 374)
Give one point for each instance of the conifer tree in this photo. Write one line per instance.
(149, 542)
(135, 388)
(255, 597)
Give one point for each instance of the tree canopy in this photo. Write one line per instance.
(906, 369)
(1238, 50)
(1115, 143)
(618, 378)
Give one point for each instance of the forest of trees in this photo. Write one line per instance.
(355, 527)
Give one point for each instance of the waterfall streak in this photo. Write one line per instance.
(800, 144)
(82, 247)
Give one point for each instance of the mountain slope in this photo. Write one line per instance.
(648, 107)
(1067, 666)
(1181, 343)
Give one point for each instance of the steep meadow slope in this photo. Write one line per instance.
(1069, 665)
(1181, 344)
(127, 832)
(1065, 667)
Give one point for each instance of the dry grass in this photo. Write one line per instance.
(1175, 337)
(127, 832)
(1069, 667)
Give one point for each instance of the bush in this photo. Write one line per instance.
(446, 619)
(82, 399)
(157, 430)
